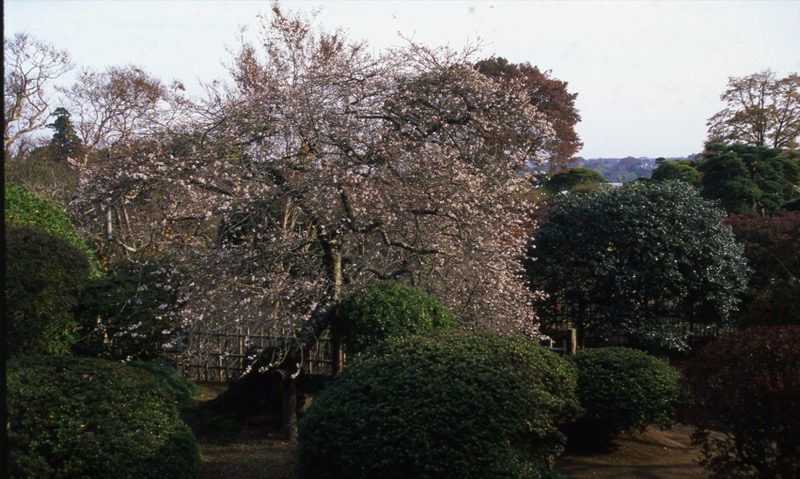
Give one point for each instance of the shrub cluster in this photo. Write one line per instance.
(88, 417)
(448, 405)
(44, 276)
(622, 390)
(746, 385)
(387, 309)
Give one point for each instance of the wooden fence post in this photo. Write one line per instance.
(573, 341)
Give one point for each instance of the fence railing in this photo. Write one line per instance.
(224, 355)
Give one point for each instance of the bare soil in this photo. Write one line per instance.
(260, 451)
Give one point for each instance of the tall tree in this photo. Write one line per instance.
(120, 104)
(328, 167)
(65, 145)
(760, 110)
(550, 96)
(30, 65)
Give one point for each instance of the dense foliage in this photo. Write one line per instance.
(132, 313)
(677, 170)
(86, 417)
(44, 276)
(22, 207)
(387, 309)
(749, 178)
(177, 386)
(772, 247)
(550, 96)
(574, 179)
(650, 261)
(451, 405)
(746, 392)
(623, 390)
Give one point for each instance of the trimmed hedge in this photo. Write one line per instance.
(177, 386)
(450, 405)
(44, 276)
(387, 309)
(24, 208)
(87, 417)
(747, 386)
(622, 390)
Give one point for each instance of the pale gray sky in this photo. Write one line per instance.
(648, 73)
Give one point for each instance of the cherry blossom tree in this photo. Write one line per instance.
(324, 166)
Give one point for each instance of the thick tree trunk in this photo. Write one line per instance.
(318, 322)
(289, 398)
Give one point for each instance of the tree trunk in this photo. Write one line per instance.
(289, 399)
(318, 322)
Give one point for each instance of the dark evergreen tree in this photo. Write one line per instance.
(65, 144)
(575, 179)
(650, 261)
(750, 178)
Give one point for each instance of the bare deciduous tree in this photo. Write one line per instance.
(120, 104)
(31, 66)
(761, 110)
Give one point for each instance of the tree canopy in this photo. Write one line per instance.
(574, 179)
(323, 167)
(649, 261)
(550, 96)
(749, 178)
(760, 110)
(680, 170)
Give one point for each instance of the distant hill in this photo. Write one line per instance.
(620, 170)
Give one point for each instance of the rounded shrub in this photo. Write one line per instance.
(44, 276)
(24, 208)
(88, 417)
(387, 309)
(623, 390)
(177, 386)
(746, 386)
(446, 405)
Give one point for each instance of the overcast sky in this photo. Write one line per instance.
(648, 73)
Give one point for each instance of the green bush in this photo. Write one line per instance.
(132, 313)
(746, 386)
(623, 390)
(88, 417)
(446, 405)
(26, 209)
(387, 309)
(44, 275)
(177, 386)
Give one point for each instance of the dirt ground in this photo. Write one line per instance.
(259, 451)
